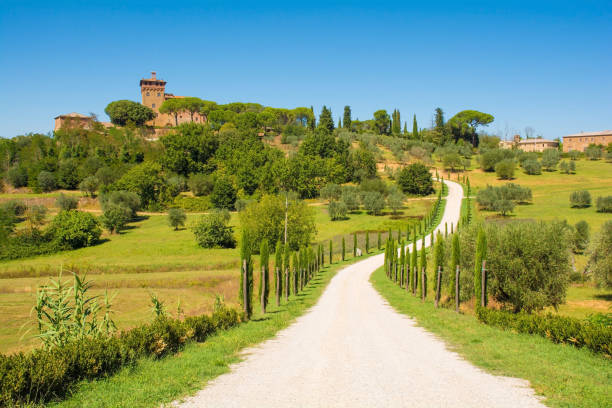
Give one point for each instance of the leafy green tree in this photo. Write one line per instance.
(533, 167)
(604, 204)
(223, 194)
(354, 244)
(115, 217)
(395, 200)
(46, 181)
(246, 275)
(278, 270)
(581, 236)
(439, 259)
(126, 112)
(423, 270)
(382, 122)
(504, 206)
(379, 243)
(212, 231)
(326, 122)
(17, 176)
(89, 185)
(593, 152)
(68, 175)
(347, 117)
(188, 148)
(75, 229)
(415, 179)
(264, 278)
(201, 184)
(396, 126)
(414, 280)
(452, 161)
(550, 159)
(481, 255)
(580, 199)
(174, 106)
(36, 215)
(373, 202)
(124, 198)
(367, 242)
(600, 256)
(464, 125)
(176, 218)
(505, 169)
(337, 210)
(147, 181)
(331, 192)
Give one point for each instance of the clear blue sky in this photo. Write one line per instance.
(547, 65)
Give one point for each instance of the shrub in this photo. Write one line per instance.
(200, 184)
(126, 199)
(558, 329)
(580, 199)
(35, 215)
(350, 198)
(574, 154)
(15, 207)
(564, 167)
(532, 167)
(115, 217)
(68, 174)
(192, 204)
(223, 194)
(75, 229)
(331, 192)
(46, 181)
(337, 210)
(505, 169)
(395, 200)
(17, 176)
(66, 202)
(502, 198)
(550, 158)
(176, 218)
(581, 236)
(176, 185)
(600, 256)
(374, 202)
(212, 231)
(490, 158)
(415, 179)
(89, 185)
(452, 161)
(504, 206)
(604, 204)
(593, 152)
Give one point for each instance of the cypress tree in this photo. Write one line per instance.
(246, 300)
(402, 262)
(399, 234)
(343, 249)
(278, 271)
(405, 129)
(287, 271)
(326, 122)
(295, 267)
(415, 129)
(339, 123)
(313, 120)
(379, 240)
(330, 252)
(408, 233)
(423, 269)
(413, 266)
(481, 249)
(367, 243)
(455, 261)
(439, 262)
(264, 278)
(445, 229)
(347, 117)
(354, 244)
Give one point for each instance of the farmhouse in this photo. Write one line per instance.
(580, 141)
(77, 120)
(529, 145)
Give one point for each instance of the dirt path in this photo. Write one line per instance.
(353, 350)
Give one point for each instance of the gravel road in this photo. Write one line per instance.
(353, 350)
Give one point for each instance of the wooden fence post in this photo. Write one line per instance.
(457, 293)
(437, 300)
(483, 286)
(245, 288)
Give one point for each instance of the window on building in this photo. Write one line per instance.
(147, 94)
(153, 105)
(158, 94)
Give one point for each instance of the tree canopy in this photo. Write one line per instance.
(124, 112)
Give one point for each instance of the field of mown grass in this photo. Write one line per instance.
(149, 257)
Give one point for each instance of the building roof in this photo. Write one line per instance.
(583, 134)
(72, 115)
(529, 141)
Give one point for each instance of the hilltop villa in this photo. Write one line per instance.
(580, 141)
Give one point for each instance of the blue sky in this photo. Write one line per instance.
(547, 65)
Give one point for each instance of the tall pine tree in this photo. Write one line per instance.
(415, 128)
(326, 122)
(246, 299)
(347, 118)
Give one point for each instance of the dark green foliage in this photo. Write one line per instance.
(246, 275)
(115, 217)
(604, 204)
(89, 185)
(354, 244)
(46, 181)
(505, 169)
(481, 255)
(347, 117)
(45, 374)
(350, 198)
(264, 278)
(600, 256)
(559, 329)
(66, 202)
(455, 261)
(75, 229)
(188, 149)
(337, 210)
(176, 218)
(415, 179)
(423, 271)
(122, 198)
(343, 249)
(212, 231)
(17, 176)
(580, 199)
(367, 242)
(379, 243)
(279, 268)
(146, 180)
(593, 152)
(326, 122)
(223, 194)
(331, 253)
(201, 184)
(382, 122)
(125, 112)
(16, 208)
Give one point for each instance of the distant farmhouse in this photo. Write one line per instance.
(580, 141)
(153, 93)
(529, 145)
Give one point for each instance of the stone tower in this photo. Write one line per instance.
(153, 93)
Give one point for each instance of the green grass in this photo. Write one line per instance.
(151, 383)
(566, 376)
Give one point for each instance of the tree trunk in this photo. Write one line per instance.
(437, 300)
(457, 293)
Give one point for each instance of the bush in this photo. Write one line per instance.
(593, 152)
(75, 229)
(331, 192)
(373, 202)
(223, 194)
(15, 207)
(580, 199)
(17, 176)
(550, 158)
(36, 215)
(46, 374)
(126, 199)
(337, 210)
(192, 204)
(66, 202)
(89, 185)
(200, 184)
(558, 329)
(490, 158)
(505, 169)
(46, 181)
(350, 198)
(574, 154)
(415, 179)
(212, 231)
(604, 204)
(504, 206)
(115, 217)
(532, 167)
(68, 174)
(176, 218)
(581, 236)
(600, 256)
(502, 198)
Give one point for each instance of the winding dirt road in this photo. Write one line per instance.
(353, 350)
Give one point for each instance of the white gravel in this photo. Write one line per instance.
(353, 350)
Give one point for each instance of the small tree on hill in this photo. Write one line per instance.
(176, 218)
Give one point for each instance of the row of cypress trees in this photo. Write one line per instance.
(292, 272)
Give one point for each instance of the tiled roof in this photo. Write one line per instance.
(72, 115)
(528, 141)
(583, 134)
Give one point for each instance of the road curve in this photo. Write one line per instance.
(353, 350)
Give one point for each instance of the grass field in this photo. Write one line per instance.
(150, 257)
(564, 375)
(150, 383)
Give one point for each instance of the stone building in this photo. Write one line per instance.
(580, 141)
(154, 94)
(529, 145)
(77, 120)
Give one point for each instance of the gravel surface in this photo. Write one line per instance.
(353, 350)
